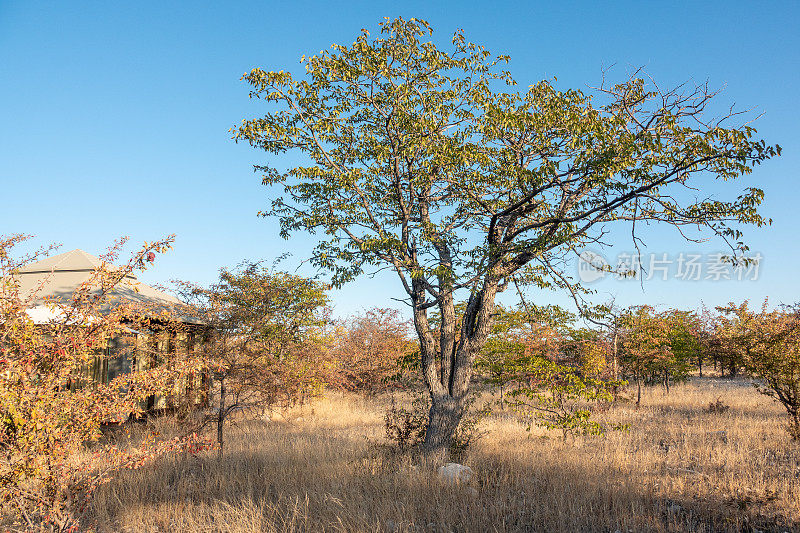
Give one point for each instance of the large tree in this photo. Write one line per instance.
(426, 160)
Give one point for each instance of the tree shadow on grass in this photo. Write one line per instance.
(578, 500)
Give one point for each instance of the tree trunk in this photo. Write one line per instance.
(448, 396)
(221, 417)
(638, 390)
(794, 423)
(615, 365)
(443, 419)
(700, 364)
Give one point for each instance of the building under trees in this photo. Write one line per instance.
(153, 336)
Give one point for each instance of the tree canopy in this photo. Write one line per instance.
(264, 346)
(427, 160)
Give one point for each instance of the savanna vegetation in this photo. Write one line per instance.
(424, 160)
(680, 467)
(569, 427)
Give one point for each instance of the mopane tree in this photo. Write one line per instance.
(768, 345)
(425, 159)
(263, 348)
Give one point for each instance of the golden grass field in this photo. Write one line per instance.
(679, 468)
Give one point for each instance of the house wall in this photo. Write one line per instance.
(144, 351)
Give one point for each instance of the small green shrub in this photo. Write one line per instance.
(558, 397)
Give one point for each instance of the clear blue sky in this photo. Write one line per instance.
(115, 115)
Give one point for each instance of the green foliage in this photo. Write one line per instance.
(497, 357)
(660, 347)
(685, 339)
(558, 397)
(398, 131)
(517, 334)
(254, 301)
(423, 158)
(266, 338)
(525, 354)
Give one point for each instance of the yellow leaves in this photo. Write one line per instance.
(594, 361)
(48, 407)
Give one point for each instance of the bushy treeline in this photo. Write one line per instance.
(266, 339)
(550, 350)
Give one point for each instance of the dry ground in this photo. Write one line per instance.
(679, 468)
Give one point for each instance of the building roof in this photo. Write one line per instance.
(73, 261)
(57, 278)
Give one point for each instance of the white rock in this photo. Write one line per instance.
(455, 473)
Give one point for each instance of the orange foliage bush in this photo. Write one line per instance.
(46, 475)
(370, 350)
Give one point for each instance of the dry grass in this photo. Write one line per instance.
(680, 468)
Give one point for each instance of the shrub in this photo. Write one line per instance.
(48, 410)
(405, 428)
(558, 397)
(370, 351)
(768, 342)
(717, 407)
